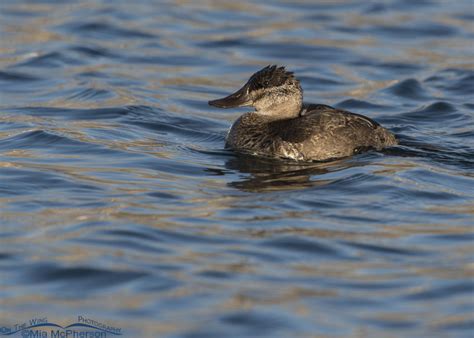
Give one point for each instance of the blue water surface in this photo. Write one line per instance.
(119, 203)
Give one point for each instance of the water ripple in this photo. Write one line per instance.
(103, 30)
(118, 199)
(68, 278)
(409, 89)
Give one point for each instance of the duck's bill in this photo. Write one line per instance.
(239, 99)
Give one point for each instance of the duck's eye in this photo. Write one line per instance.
(266, 83)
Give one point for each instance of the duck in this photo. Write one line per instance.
(283, 126)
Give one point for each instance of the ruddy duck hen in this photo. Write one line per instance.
(283, 126)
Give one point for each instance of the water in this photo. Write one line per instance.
(119, 203)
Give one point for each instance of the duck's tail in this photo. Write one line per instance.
(386, 138)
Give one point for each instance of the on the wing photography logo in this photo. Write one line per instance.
(42, 328)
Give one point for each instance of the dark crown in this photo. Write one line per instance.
(271, 76)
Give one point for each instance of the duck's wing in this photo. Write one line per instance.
(313, 108)
(320, 119)
(308, 108)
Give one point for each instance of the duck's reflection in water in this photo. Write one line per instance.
(268, 174)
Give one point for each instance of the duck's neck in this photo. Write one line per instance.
(284, 107)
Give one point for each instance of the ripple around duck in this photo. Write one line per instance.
(449, 289)
(255, 322)
(160, 239)
(401, 67)
(393, 324)
(49, 142)
(223, 43)
(10, 76)
(103, 30)
(409, 89)
(68, 279)
(167, 128)
(24, 181)
(385, 250)
(464, 85)
(93, 51)
(434, 113)
(293, 51)
(51, 60)
(304, 246)
(198, 129)
(36, 139)
(449, 239)
(458, 158)
(453, 81)
(114, 184)
(428, 29)
(91, 94)
(126, 244)
(74, 114)
(320, 83)
(171, 60)
(7, 256)
(360, 104)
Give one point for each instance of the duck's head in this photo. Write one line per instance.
(272, 91)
